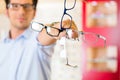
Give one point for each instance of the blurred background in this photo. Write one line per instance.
(94, 62)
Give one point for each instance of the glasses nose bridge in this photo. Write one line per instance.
(22, 5)
(21, 9)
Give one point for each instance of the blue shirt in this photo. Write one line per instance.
(25, 58)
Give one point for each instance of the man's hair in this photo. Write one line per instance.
(34, 3)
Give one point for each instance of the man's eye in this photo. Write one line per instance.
(26, 6)
(15, 5)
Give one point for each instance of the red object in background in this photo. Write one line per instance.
(112, 35)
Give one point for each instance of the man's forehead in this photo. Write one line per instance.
(21, 1)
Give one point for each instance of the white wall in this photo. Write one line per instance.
(4, 25)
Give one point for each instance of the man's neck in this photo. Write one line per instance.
(14, 33)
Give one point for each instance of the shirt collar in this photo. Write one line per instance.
(26, 34)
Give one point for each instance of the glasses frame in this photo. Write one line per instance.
(82, 33)
(61, 27)
(65, 13)
(37, 23)
(45, 27)
(25, 6)
(98, 36)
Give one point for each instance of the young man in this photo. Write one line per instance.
(25, 54)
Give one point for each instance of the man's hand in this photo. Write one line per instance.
(46, 39)
(65, 24)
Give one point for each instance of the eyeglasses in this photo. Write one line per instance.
(67, 7)
(87, 37)
(52, 31)
(16, 6)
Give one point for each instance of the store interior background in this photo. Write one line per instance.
(95, 62)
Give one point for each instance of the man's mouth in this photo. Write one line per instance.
(22, 19)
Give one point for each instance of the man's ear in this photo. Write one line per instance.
(6, 13)
(34, 14)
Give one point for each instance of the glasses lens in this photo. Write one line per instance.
(37, 27)
(66, 25)
(70, 4)
(52, 31)
(90, 38)
(28, 7)
(14, 6)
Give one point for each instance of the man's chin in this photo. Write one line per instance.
(22, 27)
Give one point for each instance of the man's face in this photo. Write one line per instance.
(20, 16)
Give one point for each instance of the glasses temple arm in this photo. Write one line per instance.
(102, 37)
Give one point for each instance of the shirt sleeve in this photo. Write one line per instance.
(45, 50)
(48, 50)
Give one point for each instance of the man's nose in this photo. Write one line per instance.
(22, 10)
